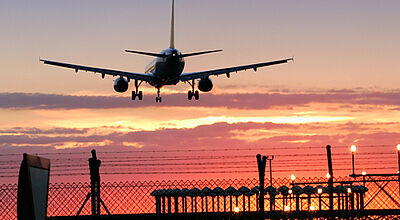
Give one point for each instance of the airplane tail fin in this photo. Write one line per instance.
(172, 39)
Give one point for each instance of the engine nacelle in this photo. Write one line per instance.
(205, 84)
(121, 85)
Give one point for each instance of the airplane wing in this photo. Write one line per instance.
(103, 72)
(227, 71)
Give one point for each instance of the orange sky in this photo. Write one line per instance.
(342, 89)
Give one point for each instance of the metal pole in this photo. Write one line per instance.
(92, 162)
(270, 170)
(320, 202)
(261, 172)
(97, 179)
(398, 160)
(330, 181)
(352, 161)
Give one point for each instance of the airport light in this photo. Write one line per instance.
(293, 177)
(312, 208)
(349, 190)
(353, 149)
(319, 190)
(290, 191)
(328, 175)
(287, 208)
(364, 173)
(236, 209)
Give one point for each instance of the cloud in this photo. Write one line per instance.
(32, 130)
(214, 136)
(233, 101)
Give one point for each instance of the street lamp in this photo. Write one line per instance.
(353, 149)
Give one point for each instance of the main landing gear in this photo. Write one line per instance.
(158, 98)
(137, 93)
(192, 93)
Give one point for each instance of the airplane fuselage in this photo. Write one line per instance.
(166, 70)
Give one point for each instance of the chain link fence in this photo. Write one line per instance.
(65, 199)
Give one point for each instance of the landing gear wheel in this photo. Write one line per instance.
(136, 92)
(134, 95)
(190, 95)
(140, 95)
(158, 99)
(196, 95)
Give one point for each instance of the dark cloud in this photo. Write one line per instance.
(238, 101)
(31, 130)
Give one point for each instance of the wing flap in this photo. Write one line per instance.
(197, 75)
(129, 75)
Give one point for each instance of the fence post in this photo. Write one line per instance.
(261, 162)
(176, 204)
(169, 204)
(330, 181)
(92, 167)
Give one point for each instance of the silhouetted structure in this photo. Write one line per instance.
(95, 185)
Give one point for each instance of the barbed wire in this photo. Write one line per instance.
(204, 150)
(186, 157)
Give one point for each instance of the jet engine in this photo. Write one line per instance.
(121, 85)
(205, 84)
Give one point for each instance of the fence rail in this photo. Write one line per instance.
(65, 199)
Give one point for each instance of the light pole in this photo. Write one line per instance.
(398, 160)
(353, 149)
(270, 158)
(292, 178)
(363, 174)
(319, 191)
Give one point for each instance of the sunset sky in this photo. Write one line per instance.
(342, 89)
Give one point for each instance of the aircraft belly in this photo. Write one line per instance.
(167, 74)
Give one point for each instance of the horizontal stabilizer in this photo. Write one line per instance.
(199, 53)
(146, 53)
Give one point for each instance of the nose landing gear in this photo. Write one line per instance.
(192, 93)
(158, 98)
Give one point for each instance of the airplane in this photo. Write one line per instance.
(166, 69)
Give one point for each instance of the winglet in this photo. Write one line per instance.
(172, 39)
